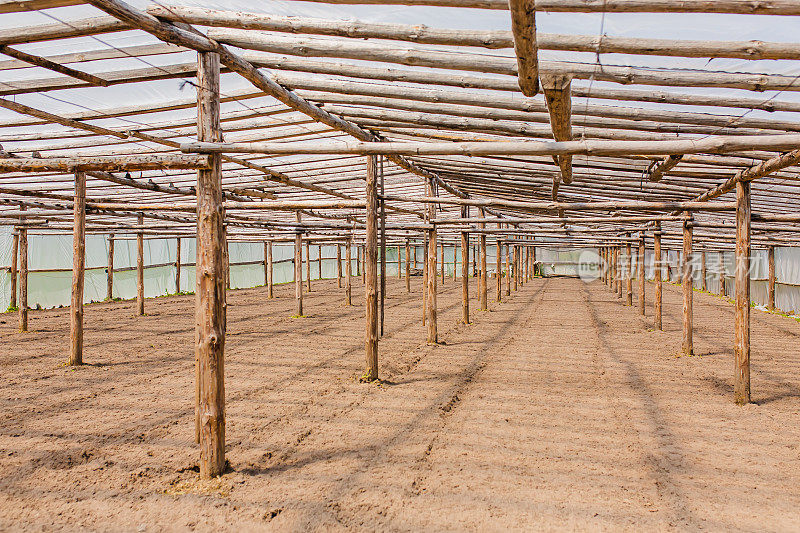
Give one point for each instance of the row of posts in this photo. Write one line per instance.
(616, 271)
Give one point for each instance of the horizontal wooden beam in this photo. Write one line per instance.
(15, 6)
(715, 145)
(106, 163)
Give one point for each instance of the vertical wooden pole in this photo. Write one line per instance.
(78, 270)
(298, 272)
(210, 291)
(308, 265)
(516, 268)
(110, 270)
(640, 267)
(270, 271)
(771, 278)
(441, 252)
(414, 257)
(339, 265)
(382, 205)
(226, 257)
(722, 289)
(464, 271)
(358, 260)
(628, 271)
(371, 270)
(620, 272)
(23, 278)
(658, 274)
(499, 269)
(178, 265)
(688, 289)
(14, 255)
(425, 279)
(140, 267)
(348, 280)
(399, 263)
(741, 385)
(433, 334)
(408, 265)
(266, 265)
(319, 255)
(455, 259)
(704, 271)
(363, 263)
(508, 269)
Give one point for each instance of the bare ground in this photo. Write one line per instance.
(559, 409)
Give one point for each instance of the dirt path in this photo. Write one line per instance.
(558, 409)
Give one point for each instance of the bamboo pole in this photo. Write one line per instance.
(371, 274)
(741, 387)
(348, 281)
(628, 268)
(688, 289)
(14, 273)
(270, 271)
(140, 267)
(641, 275)
(211, 313)
(23, 279)
(771, 278)
(658, 272)
(78, 271)
(110, 270)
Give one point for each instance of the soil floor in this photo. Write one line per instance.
(559, 409)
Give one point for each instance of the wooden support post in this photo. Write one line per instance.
(178, 265)
(628, 270)
(226, 257)
(508, 270)
(474, 261)
(533, 262)
(516, 268)
(484, 274)
(319, 255)
(23, 279)
(371, 274)
(455, 260)
(414, 259)
(499, 270)
(741, 384)
(382, 205)
(359, 271)
(771, 278)
(339, 265)
(348, 280)
(270, 271)
(432, 322)
(266, 265)
(620, 272)
(110, 270)
(210, 284)
(688, 289)
(658, 274)
(308, 265)
(140, 267)
(464, 271)
(363, 264)
(640, 266)
(441, 252)
(14, 255)
(298, 272)
(722, 289)
(78, 270)
(703, 271)
(399, 263)
(408, 265)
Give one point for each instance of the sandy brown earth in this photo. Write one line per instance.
(559, 409)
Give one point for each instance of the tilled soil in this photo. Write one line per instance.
(558, 409)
